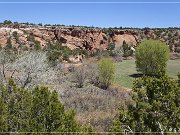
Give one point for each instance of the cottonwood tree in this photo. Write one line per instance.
(152, 57)
(106, 70)
(29, 68)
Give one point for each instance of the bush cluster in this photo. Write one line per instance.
(34, 111)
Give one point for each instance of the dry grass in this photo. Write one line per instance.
(100, 120)
(106, 108)
(95, 106)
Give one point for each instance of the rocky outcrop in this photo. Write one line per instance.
(83, 38)
(73, 38)
(129, 38)
(88, 39)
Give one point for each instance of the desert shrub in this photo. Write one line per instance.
(30, 37)
(99, 53)
(177, 49)
(53, 57)
(118, 58)
(79, 51)
(113, 50)
(29, 68)
(16, 36)
(71, 68)
(57, 52)
(111, 46)
(126, 49)
(80, 76)
(93, 105)
(117, 54)
(24, 48)
(93, 74)
(37, 45)
(106, 70)
(152, 57)
(8, 44)
(7, 57)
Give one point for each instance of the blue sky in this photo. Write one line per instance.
(101, 14)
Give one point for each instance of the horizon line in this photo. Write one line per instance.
(94, 26)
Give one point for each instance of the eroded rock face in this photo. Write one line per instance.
(83, 38)
(73, 38)
(89, 39)
(129, 39)
(119, 36)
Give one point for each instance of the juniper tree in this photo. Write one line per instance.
(37, 110)
(156, 107)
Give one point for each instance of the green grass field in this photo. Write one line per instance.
(127, 67)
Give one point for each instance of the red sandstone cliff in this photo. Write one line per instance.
(83, 38)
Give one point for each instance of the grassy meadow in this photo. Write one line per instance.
(125, 70)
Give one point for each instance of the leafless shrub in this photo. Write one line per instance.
(93, 74)
(100, 120)
(29, 69)
(71, 68)
(32, 69)
(177, 49)
(92, 100)
(6, 58)
(80, 75)
(118, 58)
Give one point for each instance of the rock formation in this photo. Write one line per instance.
(83, 38)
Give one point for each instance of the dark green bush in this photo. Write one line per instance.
(16, 36)
(126, 49)
(37, 45)
(57, 52)
(156, 108)
(35, 111)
